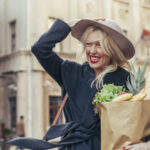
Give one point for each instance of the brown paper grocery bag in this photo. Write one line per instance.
(123, 123)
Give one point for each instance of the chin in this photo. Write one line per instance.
(96, 66)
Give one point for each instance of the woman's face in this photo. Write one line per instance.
(95, 57)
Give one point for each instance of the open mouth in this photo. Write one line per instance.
(94, 59)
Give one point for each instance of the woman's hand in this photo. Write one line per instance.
(140, 146)
(44, 138)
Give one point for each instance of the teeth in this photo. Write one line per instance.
(94, 58)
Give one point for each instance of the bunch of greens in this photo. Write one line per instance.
(107, 93)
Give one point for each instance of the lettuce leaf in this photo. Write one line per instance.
(107, 93)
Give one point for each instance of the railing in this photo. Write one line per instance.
(3, 138)
(2, 144)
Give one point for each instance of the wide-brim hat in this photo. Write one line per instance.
(111, 28)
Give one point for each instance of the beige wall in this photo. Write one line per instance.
(2, 31)
(9, 13)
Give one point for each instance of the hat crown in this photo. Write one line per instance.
(111, 24)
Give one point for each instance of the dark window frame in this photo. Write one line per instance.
(13, 111)
(54, 104)
(13, 35)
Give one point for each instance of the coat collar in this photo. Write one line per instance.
(89, 74)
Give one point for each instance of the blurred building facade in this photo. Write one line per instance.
(25, 88)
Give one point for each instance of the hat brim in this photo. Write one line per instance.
(123, 43)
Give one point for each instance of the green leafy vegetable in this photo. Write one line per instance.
(108, 93)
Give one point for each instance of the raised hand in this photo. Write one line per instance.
(139, 146)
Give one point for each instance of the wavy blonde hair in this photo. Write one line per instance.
(110, 48)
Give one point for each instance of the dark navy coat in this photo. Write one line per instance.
(82, 128)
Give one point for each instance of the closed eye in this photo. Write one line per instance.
(88, 44)
(98, 44)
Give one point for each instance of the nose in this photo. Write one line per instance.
(93, 49)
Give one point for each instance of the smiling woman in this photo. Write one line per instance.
(97, 59)
(103, 54)
(107, 50)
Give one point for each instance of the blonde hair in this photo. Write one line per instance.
(109, 48)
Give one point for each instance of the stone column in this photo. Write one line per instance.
(21, 94)
(107, 8)
(1, 100)
(37, 104)
(34, 102)
(135, 25)
(22, 97)
(30, 100)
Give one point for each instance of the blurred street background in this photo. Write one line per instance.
(25, 88)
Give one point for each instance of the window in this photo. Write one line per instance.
(54, 104)
(12, 101)
(13, 35)
(123, 13)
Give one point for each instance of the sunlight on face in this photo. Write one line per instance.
(95, 57)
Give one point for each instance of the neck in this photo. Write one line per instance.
(98, 72)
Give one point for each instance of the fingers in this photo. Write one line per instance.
(129, 147)
(139, 146)
(148, 145)
(44, 138)
(126, 148)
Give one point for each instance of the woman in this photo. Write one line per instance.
(107, 49)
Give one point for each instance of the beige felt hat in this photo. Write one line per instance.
(111, 28)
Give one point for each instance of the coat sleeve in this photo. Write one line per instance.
(42, 49)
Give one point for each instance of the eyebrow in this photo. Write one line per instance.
(93, 42)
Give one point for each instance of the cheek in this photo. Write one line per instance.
(87, 52)
(106, 60)
(101, 53)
